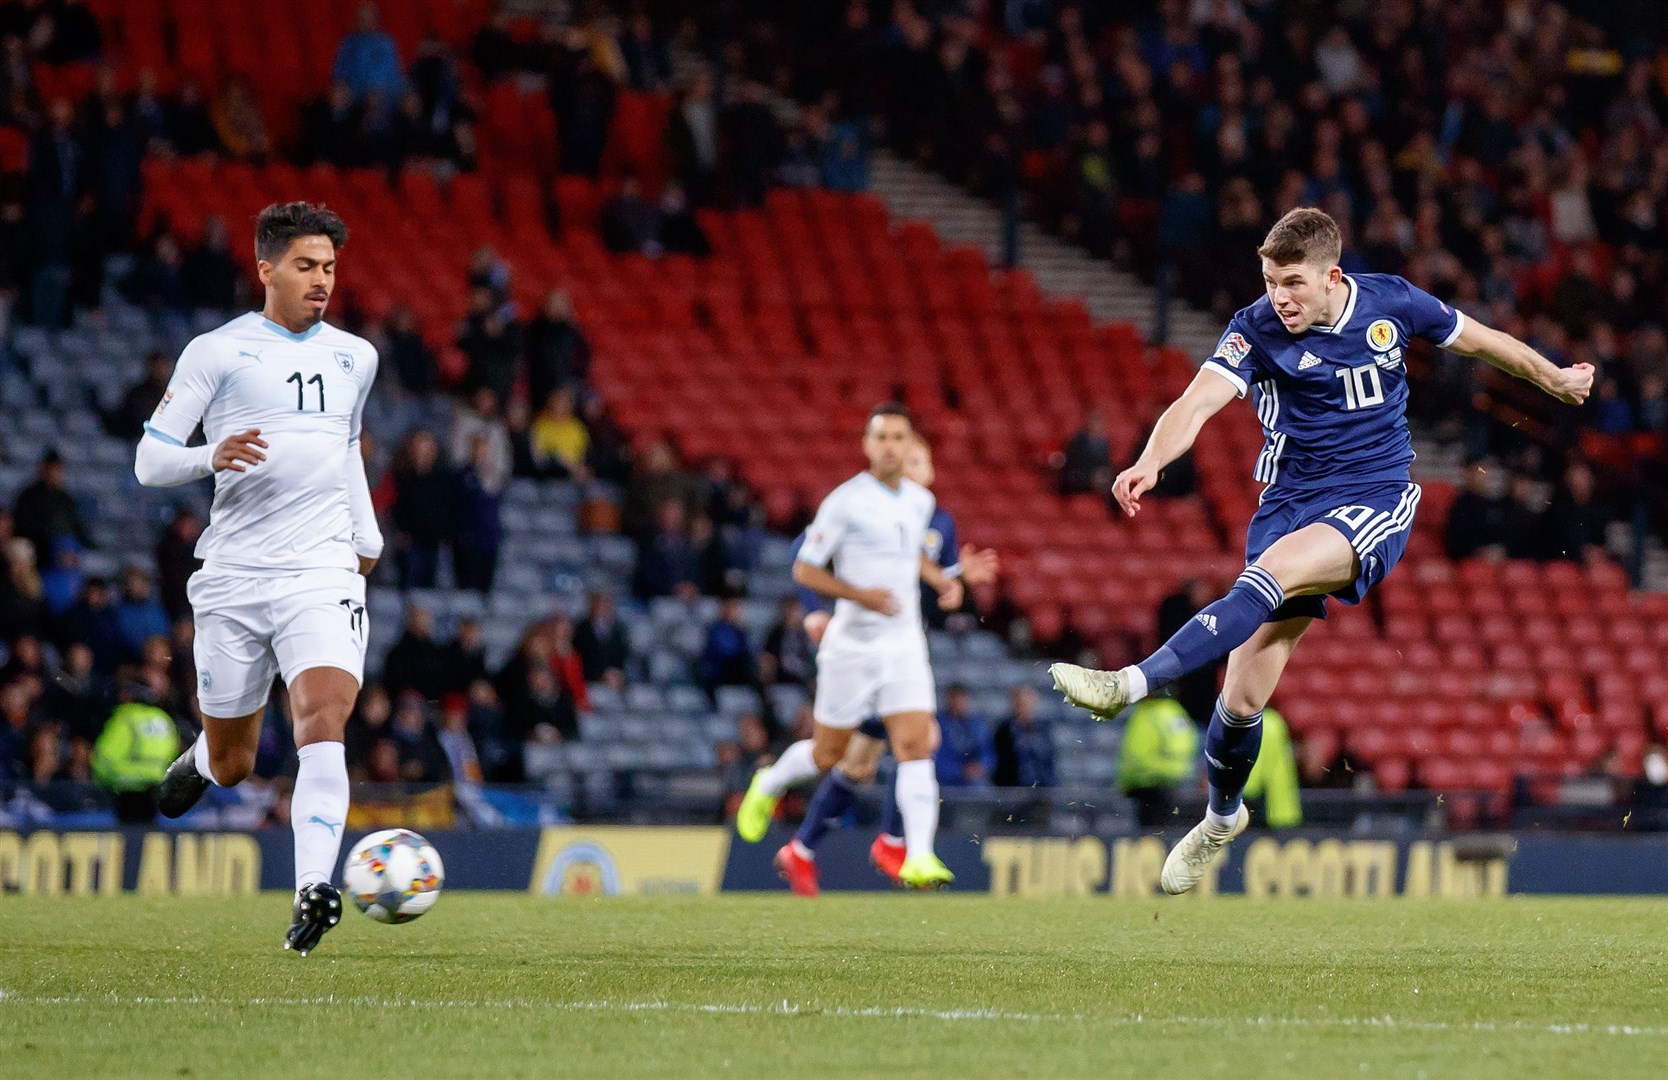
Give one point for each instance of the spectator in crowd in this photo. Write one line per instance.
(647, 64)
(610, 455)
(368, 60)
(630, 223)
(727, 659)
(463, 659)
(45, 510)
(93, 620)
(655, 481)
(754, 142)
(156, 282)
(1087, 465)
(566, 664)
(190, 127)
(679, 232)
(1273, 783)
(1156, 758)
(139, 616)
(583, 87)
(176, 561)
(790, 656)
(27, 662)
(424, 513)
(491, 340)
(739, 760)
(208, 273)
(421, 759)
(1477, 519)
(367, 726)
(1525, 515)
(135, 749)
(966, 754)
(560, 443)
(463, 760)
(1024, 745)
(22, 594)
(57, 181)
(127, 419)
(479, 529)
(409, 356)
(694, 139)
(1576, 517)
(238, 124)
(666, 555)
(601, 640)
(78, 695)
(558, 355)
(416, 663)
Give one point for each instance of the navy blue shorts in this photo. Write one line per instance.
(1376, 519)
(873, 727)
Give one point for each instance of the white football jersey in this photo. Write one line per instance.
(875, 536)
(306, 393)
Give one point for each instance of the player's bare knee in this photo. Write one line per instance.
(1242, 702)
(915, 746)
(859, 768)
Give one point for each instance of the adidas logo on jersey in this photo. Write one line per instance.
(1207, 621)
(1309, 360)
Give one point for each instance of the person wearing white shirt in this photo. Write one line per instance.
(873, 655)
(292, 534)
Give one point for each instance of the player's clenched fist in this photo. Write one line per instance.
(1572, 384)
(237, 451)
(1133, 483)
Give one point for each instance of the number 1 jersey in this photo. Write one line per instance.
(306, 393)
(1333, 399)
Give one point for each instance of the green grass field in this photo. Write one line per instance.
(964, 986)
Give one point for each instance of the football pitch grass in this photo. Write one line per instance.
(847, 986)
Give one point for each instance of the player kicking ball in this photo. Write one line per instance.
(965, 565)
(1322, 352)
(873, 657)
(291, 536)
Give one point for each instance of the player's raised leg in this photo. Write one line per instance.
(1231, 745)
(913, 741)
(798, 763)
(1313, 561)
(223, 754)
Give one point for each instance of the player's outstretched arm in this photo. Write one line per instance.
(1570, 385)
(823, 583)
(1172, 436)
(949, 588)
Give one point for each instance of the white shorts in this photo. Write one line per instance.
(853, 685)
(249, 629)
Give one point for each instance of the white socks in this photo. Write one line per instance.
(918, 803)
(1136, 680)
(795, 765)
(318, 811)
(200, 758)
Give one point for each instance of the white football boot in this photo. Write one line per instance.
(1189, 860)
(1104, 693)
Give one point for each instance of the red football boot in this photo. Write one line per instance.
(887, 854)
(796, 865)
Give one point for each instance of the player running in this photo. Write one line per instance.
(873, 656)
(1323, 351)
(965, 565)
(291, 536)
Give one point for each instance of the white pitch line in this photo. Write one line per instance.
(842, 1012)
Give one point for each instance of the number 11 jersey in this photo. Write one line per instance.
(306, 393)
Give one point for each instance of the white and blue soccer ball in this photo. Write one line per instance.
(393, 875)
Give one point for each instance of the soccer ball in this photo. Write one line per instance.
(394, 875)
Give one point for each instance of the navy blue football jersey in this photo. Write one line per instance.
(1333, 399)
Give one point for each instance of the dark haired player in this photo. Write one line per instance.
(1324, 353)
(873, 657)
(291, 535)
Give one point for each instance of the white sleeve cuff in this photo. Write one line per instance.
(1459, 326)
(1233, 377)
